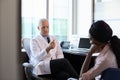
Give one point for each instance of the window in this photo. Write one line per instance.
(69, 19)
(58, 12)
(32, 11)
(108, 10)
(84, 20)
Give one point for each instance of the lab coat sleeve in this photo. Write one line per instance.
(36, 51)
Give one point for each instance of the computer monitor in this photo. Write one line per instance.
(84, 43)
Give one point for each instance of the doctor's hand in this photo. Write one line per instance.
(51, 46)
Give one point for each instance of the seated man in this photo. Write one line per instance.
(47, 56)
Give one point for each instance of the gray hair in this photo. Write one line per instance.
(42, 20)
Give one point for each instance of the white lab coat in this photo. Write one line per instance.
(40, 58)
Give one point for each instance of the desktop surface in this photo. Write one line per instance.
(78, 51)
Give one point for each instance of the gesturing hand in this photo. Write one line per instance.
(51, 46)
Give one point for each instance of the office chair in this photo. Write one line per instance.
(111, 74)
(29, 67)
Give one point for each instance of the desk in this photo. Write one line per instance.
(77, 59)
(75, 52)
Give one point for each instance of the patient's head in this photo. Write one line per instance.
(100, 31)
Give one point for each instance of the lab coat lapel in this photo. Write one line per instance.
(42, 41)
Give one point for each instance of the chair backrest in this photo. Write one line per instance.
(111, 74)
(26, 46)
(27, 66)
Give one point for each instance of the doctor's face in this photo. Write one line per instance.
(44, 28)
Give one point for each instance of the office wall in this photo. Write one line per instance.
(9, 36)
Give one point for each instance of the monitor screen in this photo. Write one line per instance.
(84, 43)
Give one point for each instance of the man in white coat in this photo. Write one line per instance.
(47, 56)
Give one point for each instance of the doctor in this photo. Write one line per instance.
(47, 56)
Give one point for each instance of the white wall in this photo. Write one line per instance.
(9, 39)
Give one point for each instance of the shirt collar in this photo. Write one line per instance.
(45, 36)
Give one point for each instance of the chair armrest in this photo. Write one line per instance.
(28, 71)
(111, 74)
(26, 64)
(30, 76)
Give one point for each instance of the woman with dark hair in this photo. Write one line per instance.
(108, 48)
